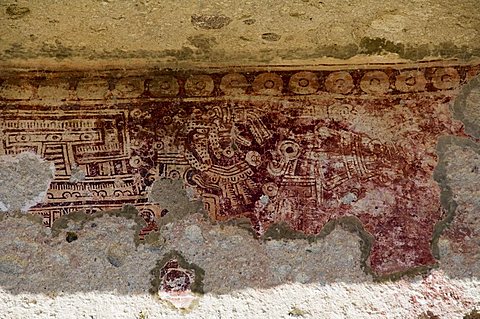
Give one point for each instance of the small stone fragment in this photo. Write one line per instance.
(210, 22)
(349, 198)
(264, 200)
(297, 312)
(302, 278)
(116, 255)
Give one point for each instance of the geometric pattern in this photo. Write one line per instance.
(302, 145)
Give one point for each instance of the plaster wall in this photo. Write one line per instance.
(65, 56)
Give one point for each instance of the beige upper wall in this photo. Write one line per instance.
(233, 31)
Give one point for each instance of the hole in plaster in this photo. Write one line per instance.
(71, 236)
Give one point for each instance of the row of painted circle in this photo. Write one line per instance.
(269, 83)
(306, 82)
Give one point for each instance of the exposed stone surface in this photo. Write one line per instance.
(24, 179)
(321, 278)
(104, 254)
(174, 199)
(466, 107)
(460, 244)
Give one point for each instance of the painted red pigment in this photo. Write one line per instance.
(302, 147)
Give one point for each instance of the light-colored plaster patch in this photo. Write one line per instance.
(24, 181)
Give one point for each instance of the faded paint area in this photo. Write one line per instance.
(24, 179)
(108, 272)
(466, 107)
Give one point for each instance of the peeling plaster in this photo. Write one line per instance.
(110, 250)
(25, 179)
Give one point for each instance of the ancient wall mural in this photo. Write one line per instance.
(296, 145)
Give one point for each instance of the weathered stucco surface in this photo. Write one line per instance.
(131, 208)
(225, 31)
(104, 274)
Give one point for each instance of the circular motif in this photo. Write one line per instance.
(268, 84)
(92, 89)
(148, 215)
(66, 195)
(228, 152)
(234, 83)
(445, 78)
(57, 137)
(130, 87)
(135, 161)
(410, 81)
(167, 120)
(289, 149)
(303, 83)
(375, 82)
(100, 193)
(23, 138)
(199, 85)
(253, 158)
(86, 137)
(174, 174)
(270, 189)
(339, 82)
(136, 113)
(340, 111)
(166, 85)
(213, 178)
